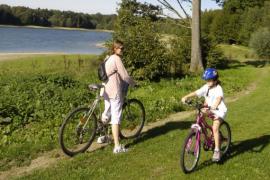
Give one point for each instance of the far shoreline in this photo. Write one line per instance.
(20, 55)
(57, 28)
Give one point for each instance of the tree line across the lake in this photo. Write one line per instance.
(19, 15)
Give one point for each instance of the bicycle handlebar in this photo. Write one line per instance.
(95, 87)
(198, 105)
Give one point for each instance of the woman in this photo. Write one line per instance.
(113, 93)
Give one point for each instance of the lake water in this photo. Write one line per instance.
(34, 40)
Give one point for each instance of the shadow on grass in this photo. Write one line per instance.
(161, 130)
(235, 64)
(255, 145)
(258, 63)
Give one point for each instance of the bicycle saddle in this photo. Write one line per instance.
(95, 86)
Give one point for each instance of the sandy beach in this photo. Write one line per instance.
(62, 28)
(15, 56)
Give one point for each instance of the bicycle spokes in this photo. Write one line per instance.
(83, 119)
(78, 130)
(188, 145)
(132, 119)
(225, 137)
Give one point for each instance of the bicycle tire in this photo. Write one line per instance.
(185, 149)
(224, 125)
(128, 123)
(83, 146)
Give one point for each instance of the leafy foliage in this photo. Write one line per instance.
(179, 55)
(144, 54)
(235, 23)
(260, 42)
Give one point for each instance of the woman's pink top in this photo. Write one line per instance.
(117, 73)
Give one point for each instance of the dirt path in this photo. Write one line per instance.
(250, 88)
(52, 157)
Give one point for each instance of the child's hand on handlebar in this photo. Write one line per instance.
(184, 99)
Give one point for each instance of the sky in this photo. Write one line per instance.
(88, 6)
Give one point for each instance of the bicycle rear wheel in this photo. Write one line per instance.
(133, 119)
(225, 137)
(73, 136)
(190, 153)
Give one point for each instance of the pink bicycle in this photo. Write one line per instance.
(202, 134)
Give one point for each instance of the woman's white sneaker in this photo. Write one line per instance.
(120, 149)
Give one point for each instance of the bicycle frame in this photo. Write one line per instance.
(200, 127)
(96, 103)
(191, 148)
(92, 108)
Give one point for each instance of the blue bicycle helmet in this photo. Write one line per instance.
(210, 73)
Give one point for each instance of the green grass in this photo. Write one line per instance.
(44, 89)
(156, 154)
(36, 92)
(79, 66)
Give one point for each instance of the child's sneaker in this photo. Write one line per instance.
(120, 149)
(216, 156)
(103, 139)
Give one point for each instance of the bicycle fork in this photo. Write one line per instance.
(198, 139)
(81, 127)
(90, 112)
(197, 129)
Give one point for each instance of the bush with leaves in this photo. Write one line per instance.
(179, 55)
(144, 54)
(41, 99)
(216, 58)
(260, 42)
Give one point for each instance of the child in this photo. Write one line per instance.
(214, 98)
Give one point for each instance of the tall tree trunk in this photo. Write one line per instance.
(196, 53)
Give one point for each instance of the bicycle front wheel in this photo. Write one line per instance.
(190, 152)
(77, 131)
(133, 119)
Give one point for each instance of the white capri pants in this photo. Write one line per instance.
(113, 109)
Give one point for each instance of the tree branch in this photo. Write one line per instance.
(179, 3)
(178, 23)
(168, 6)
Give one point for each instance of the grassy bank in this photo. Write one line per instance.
(38, 91)
(156, 154)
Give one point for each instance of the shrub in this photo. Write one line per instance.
(260, 42)
(179, 54)
(216, 58)
(144, 54)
